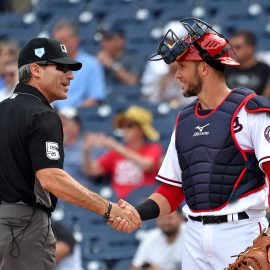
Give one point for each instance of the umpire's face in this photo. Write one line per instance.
(52, 80)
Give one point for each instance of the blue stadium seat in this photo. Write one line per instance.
(165, 143)
(170, 12)
(53, 17)
(47, 9)
(165, 127)
(95, 112)
(122, 265)
(13, 26)
(140, 194)
(87, 32)
(98, 126)
(263, 44)
(123, 93)
(97, 119)
(11, 20)
(106, 244)
(94, 265)
(227, 10)
(121, 12)
(138, 31)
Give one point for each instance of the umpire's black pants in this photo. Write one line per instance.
(26, 238)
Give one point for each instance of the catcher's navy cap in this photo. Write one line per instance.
(45, 49)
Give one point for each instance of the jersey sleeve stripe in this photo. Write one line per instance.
(169, 181)
(262, 160)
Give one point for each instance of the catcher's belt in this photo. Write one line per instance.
(218, 219)
(256, 257)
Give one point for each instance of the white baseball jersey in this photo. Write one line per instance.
(254, 135)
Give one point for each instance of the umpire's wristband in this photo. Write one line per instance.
(106, 216)
(149, 209)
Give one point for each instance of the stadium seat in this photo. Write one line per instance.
(122, 265)
(94, 265)
(140, 194)
(106, 244)
(97, 119)
(47, 9)
(119, 12)
(227, 10)
(137, 31)
(124, 93)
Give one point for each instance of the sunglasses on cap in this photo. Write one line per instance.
(60, 67)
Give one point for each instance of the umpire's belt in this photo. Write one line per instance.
(39, 206)
(218, 219)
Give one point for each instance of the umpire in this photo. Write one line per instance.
(31, 160)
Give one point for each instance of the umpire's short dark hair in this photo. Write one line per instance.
(249, 37)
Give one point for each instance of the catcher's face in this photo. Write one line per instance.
(188, 74)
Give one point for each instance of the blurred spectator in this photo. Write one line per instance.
(120, 66)
(132, 164)
(88, 87)
(9, 52)
(162, 247)
(67, 252)
(169, 90)
(251, 73)
(21, 5)
(73, 141)
(10, 76)
(5, 5)
(155, 71)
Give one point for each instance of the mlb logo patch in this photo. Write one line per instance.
(39, 52)
(267, 133)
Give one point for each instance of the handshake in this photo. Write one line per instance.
(124, 217)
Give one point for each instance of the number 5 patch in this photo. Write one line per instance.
(52, 150)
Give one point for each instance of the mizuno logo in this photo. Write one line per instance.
(201, 128)
(201, 132)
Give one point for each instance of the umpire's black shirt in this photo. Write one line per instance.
(31, 138)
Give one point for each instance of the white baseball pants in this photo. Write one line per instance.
(210, 247)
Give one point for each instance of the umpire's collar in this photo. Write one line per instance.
(30, 90)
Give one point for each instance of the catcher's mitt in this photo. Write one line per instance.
(256, 257)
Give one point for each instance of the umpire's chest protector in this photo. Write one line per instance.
(215, 170)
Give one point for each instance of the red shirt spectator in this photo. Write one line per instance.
(132, 164)
(126, 174)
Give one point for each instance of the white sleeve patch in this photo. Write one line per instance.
(52, 150)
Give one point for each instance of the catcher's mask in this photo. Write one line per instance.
(200, 42)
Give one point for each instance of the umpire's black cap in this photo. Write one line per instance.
(45, 49)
